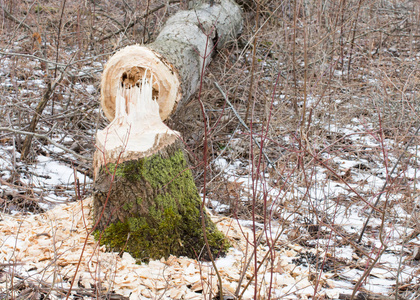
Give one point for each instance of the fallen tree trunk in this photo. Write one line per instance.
(176, 57)
(145, 198)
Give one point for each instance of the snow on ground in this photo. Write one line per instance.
(52, 179)
(45, 248)
(342, 206)
(49, 247)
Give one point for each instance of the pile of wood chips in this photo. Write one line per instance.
(48, 247)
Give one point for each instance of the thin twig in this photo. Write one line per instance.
(35, 119)
(32, 57)
(129, 7)
(243, 123)
(380, 252)
(253, 63)
(386, 183)
(205, 162)
(354, 29)
(102, 13)
(41, 136)
(145, 21)
(61, 65)
(246, 266)
(58, 48)
(14, 19)
(136, 20)
(99, 218)
(39, 109)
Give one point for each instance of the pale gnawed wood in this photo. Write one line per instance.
(145, 200)
(127, 66)
(137, 129)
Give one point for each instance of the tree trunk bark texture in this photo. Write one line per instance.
(145, 198)
(151, 208)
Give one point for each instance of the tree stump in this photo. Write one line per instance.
(145, 198)
(152, 208)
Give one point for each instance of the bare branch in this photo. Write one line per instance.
(136, 20)
(41, 136)
(243, 123)
(14, 19)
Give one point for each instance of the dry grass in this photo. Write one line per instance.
(323, 73)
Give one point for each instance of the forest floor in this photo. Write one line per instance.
(318, 193)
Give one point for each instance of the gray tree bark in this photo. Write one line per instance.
(176, 57)
(145, 198)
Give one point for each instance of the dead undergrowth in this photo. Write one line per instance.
(329, 94)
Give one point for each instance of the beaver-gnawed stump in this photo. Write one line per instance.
(145, 199)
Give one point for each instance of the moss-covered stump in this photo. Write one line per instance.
(153, 208)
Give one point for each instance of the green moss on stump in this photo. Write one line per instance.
(156, 210)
